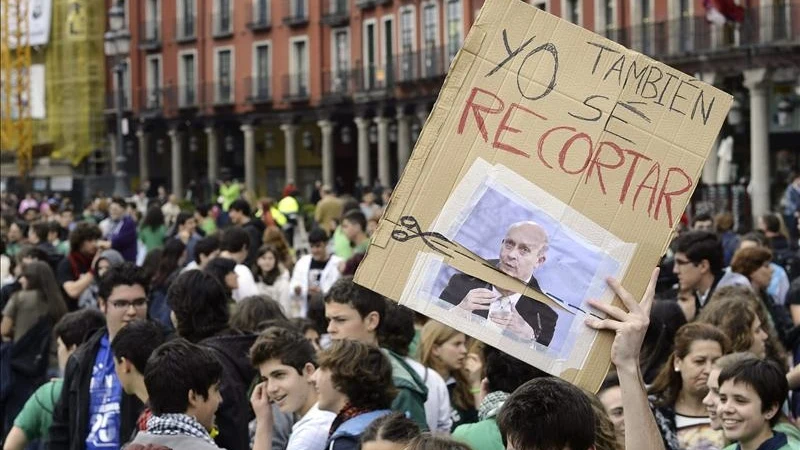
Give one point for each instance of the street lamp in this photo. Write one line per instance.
(117, 45)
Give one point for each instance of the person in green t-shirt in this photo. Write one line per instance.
(33, 422)
(354, 226)
(204, 220)
(229, 191)
(152, 230)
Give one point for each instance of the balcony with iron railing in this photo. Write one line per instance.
(260, 17)
(335, 13)
(150, 35)
(219, 93)
(186, 28)
(297, 13)
(186, 95)
(295, 87)
(687, 37)
(151, 100)
(426, 64)
(222, 25)
(111, 101)
(337, 86)
(368, 4)
(259, 89)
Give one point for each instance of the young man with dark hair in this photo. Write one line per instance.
(38, 235)
(183, 382)
(355, 313)
(504, 374)
(74, 273)
(698, 265)
(239, 213)
(201, 315)
(206, 249)
(93, 411)
(703, 222)
(751, 393)
(54, 237)
(34, 420)
(286, 361)
(235, 244)
(132, 346)
(314, 274)
(205, 222)
(185, 230)
(354, 226)
(353, 381)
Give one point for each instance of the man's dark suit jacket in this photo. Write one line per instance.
(539, 316)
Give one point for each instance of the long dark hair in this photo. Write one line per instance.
(40, 278)
(173, 250)
(154, 218)
(267, 278)
(219, 268)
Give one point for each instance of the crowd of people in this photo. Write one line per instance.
(150, 323)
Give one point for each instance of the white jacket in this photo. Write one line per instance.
(279, 291)
(437, 406)
(300, 278)
(247, 284)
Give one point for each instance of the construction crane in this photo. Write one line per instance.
(16, 126)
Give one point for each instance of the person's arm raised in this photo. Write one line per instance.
(641, 430)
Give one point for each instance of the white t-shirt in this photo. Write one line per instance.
(311, 431)
(437, 406)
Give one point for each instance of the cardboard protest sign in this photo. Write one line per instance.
(553, 159)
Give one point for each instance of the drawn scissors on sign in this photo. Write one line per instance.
(409, 229)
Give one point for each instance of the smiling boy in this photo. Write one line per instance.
(751, 393)
(286, 361)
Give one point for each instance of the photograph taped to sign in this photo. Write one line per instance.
(524, 232)
(606, 147)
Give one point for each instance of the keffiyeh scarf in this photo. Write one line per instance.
(177, 425)
(491, 404)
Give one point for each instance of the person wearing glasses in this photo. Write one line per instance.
(698, 264)
(314, 274)
(522, 251)
(93, 412)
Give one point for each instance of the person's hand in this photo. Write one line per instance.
(473, 368)
(259, 400)
(103, 245)
(630, 326)
(478, 299)
(513, 322)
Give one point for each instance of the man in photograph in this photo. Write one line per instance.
(522, 251)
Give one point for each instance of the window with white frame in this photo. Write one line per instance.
(387, 53)
(261, 70)
(606, 17)
(153, 81)
(407, 44)
(430, 27)
(572, 11)
(646, 21)
(223, 22)
(188, 75)
(224, 75)
(187, 18)
(370, 54)
(152, 30)
(454, 27)
(298, 75)
(262, 11)
(341, 59)
(299, 8)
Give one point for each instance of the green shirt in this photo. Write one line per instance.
(208, 226)
(341, 245)
(37, 414)
(484, 435)
(151, 238)
(229, 194)
(12, 249)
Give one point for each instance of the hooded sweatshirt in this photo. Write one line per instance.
(88, 298)
(412, 392)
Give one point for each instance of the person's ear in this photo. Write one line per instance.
(372, 320)
(704, 265)
(308, 371)
(194, 399)
(771, 412)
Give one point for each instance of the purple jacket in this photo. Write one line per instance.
(123, 238)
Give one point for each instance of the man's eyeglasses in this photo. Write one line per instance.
(683, 262)
(139, 303)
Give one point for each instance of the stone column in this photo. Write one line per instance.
(291, 154)
(363, 151)
(177, 162)
(710, 168)
(326, 126)
(249, 158)
(213, 157)
(144, 157)
(384, 167)
(757, 82)
(403, 140)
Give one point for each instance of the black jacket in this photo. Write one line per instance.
(234, 413)
(539, 316)
(71, 414)
(255, 229)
